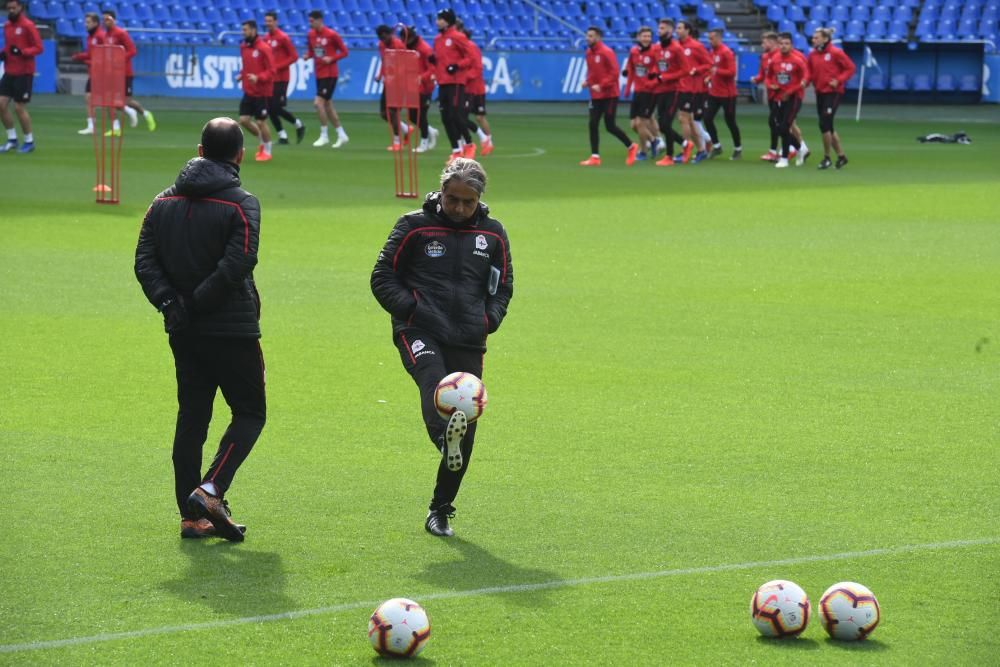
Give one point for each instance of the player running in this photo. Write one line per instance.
(602, 83)
(830, 68)
(695, 65)
(475, 101)
(21, 44)
(787, 75)
(326, 47)
(117, 36)
(668, 66)
(446, 278)
(258, 84)
(285, 55)
(95, 37)
(452, 60)
(722, 94)
(643, 77)
(428, 134)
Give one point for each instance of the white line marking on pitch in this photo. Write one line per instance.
(535, 152)
(492, 590)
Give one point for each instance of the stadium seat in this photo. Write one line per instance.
(946, 83)
(899, 83)
(794, 14)
(820, 13)
(862, 14)
(898, 31)
(922, 83)
(775, 14)
(811, 27)
(925, 30)
(876, 81)
(946, 30)
(855, 31)
(903, 14)
(841, 13)
(969, 83)
(877, 30)
(882, 13)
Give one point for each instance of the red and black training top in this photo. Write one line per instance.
(434, 274)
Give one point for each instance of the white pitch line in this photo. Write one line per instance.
(535, 152)
(493, 590)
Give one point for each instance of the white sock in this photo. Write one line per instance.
(131, 113)
(803, 147)
(267, 147)
(483, 137)
(456, 151)
(117, 125)
(282, 134)
(595, 155)
(737, 148)
(209, 488)
(431, 129)
(461, 143)
(404, 128)
(145, 113)
(323, 132)
(395, 140)
(772, 151)
(298, 123)
(340, 132)
(11, 134)
(718, 145)
(90, 123)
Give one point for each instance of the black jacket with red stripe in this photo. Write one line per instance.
(434, 274)
(199, 240)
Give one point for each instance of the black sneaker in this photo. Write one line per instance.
(437, 521)
(737, 154)
(841, 161)
(716, 151)
(453, 434)
(283, 141)
(204, 505)
(300, 133)
(825, 164)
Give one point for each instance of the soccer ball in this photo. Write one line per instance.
(849, 611)
(780, 608)
(460, 391)
(399, 628)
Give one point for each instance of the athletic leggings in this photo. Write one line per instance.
(451, 103)
(666, 109)
(728, 106)
(784, 114)
(607, 108)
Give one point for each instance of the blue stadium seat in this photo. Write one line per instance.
(930, 13)
(795, 14)
(877, 30)
(899, 83)
(967, 30)
(987, 28)
(946, 83)
(775, 14)
(898, 31)
(876, 81)
(787, 26)
(811, 27)
(882, 13)
(925, 30)
(820, 13)
(854, 32)
(946, 29)
(969, 83)
(903, 14)
(841, 13)
(143, 12)
(922, 83)
(862, 14)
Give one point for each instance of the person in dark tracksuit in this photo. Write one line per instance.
(195, 260)
(445, 276)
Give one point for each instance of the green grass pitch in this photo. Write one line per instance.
(710, 377)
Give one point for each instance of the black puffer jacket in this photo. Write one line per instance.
(434, 274)
(199, 240)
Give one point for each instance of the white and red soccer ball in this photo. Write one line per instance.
(399, 628)
(460, 391)
(849, 611)
(780, 608)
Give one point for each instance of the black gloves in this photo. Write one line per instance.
(452, 69)
(175, 315)
(652, 76)
(16, 51)
(625, 72)
(432, 59)
(3, 56)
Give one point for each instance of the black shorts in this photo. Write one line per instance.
(255, 107)
(87, 88)
(685, 102)
(476, 104)
(642, 106)
(279, 93)
(607, 106)
(17, 87)
(128, 85)
(666, 105)
(325, 87)
(698, 102)
(826, 107)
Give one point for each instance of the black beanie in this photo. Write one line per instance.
(448, 15)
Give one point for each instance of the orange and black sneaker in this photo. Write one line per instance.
(196, 528)
(204, 505)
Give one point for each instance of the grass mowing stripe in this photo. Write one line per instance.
(492, 590)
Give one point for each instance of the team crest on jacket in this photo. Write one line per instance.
(255, 53)
(447, 42)
(481, 242)
(434, 249)
(827, 57)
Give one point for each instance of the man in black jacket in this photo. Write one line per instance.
(195, 260)
(446, 278)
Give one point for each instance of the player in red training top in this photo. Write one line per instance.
(21, 44)
(285, 55)
(475, 100)
(326, 47)
(602, 83)
(695, 64)
(830, 68)
(643, 77)
(722, 94)
(452, 61)
(428, 134)
(787, 75)
(388, 41)
(258, 84)
(668, 65)
(116, 36)
(95, 37)
(769, 46)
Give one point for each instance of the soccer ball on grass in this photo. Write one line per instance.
(780, 608)
(849, 611)
(399, 628)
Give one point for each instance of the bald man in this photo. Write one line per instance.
(195, 260)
